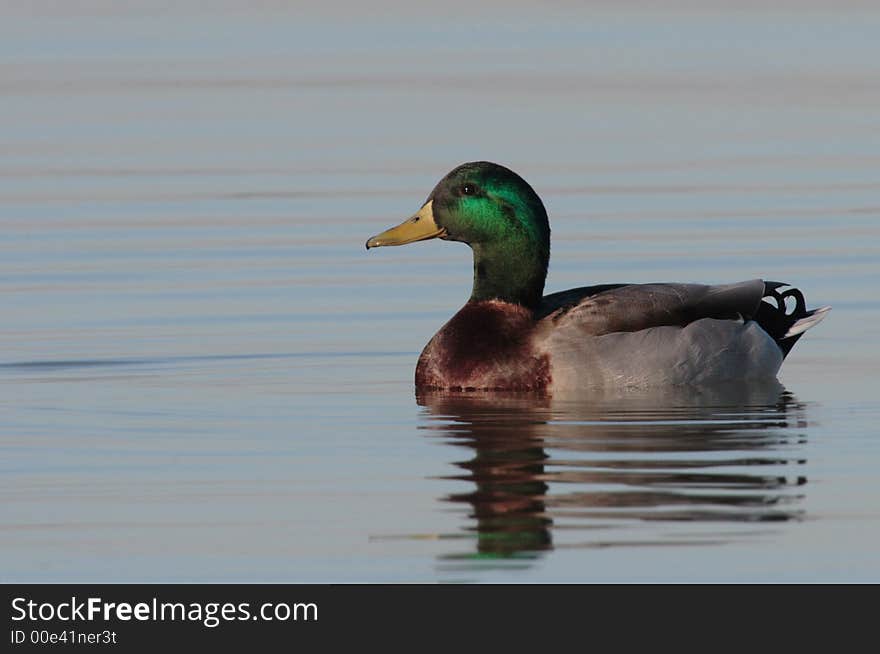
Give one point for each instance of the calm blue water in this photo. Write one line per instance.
(204, 376)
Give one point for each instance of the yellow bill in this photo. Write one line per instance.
(418, 228)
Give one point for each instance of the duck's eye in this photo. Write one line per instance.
(469, 189)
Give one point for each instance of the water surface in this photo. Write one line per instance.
(205, 377)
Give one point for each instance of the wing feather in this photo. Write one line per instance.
(613, 308)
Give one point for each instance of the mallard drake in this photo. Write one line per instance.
(509, 336)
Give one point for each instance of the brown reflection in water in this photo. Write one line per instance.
(681, 455)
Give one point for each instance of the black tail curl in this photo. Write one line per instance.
(774, 317)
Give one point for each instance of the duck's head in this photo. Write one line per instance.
(500, 216)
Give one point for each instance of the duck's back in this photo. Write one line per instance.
(656, 334)
(597, 310)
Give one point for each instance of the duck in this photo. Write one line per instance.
(509, 336)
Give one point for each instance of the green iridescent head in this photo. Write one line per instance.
(500, 216)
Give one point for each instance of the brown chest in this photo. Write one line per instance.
(485, 346)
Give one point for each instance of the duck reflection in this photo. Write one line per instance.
(542, 467)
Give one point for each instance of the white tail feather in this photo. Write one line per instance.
(804, 324)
